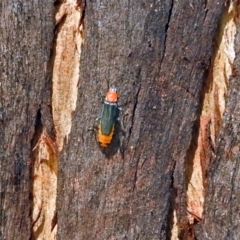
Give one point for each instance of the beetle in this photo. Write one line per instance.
(109, 116)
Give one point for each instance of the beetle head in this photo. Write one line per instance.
(111, 95)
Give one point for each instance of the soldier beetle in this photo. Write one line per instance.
(109, 116)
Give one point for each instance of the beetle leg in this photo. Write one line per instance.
(122, 128)
(95, 125)
(97, 119)
(94, 128)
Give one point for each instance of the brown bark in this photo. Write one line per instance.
(221, 211)
(157, 54)
(26, 34)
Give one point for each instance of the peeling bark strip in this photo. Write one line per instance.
(156, 53)
(215, 95)
(65, 76)
(26, 33)
(44, 190)
(221, 209)
(44, 183)
(66, 60)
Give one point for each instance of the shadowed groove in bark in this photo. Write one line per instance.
(166, 28)
(209, 123)
(65, 60)
(44, 182)
(134, 110)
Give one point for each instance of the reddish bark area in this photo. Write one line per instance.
(222, 199)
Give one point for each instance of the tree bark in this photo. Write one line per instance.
(157, 54)
(26, 34)
(222, 199)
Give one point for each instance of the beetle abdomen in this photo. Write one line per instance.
(104, 140)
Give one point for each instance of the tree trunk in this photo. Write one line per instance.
(157, 55)
(222, 198)
(149, 183)
(26, 34)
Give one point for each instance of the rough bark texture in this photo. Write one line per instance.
(222, 199)
(26, 33)
(157, 54)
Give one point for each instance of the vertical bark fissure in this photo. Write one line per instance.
(210, 119)
(232, 195)
(44, 182)
(135, 174)
(134, 111)
(166, 29)
(26, 34)
(172, 231)
(65, 60)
